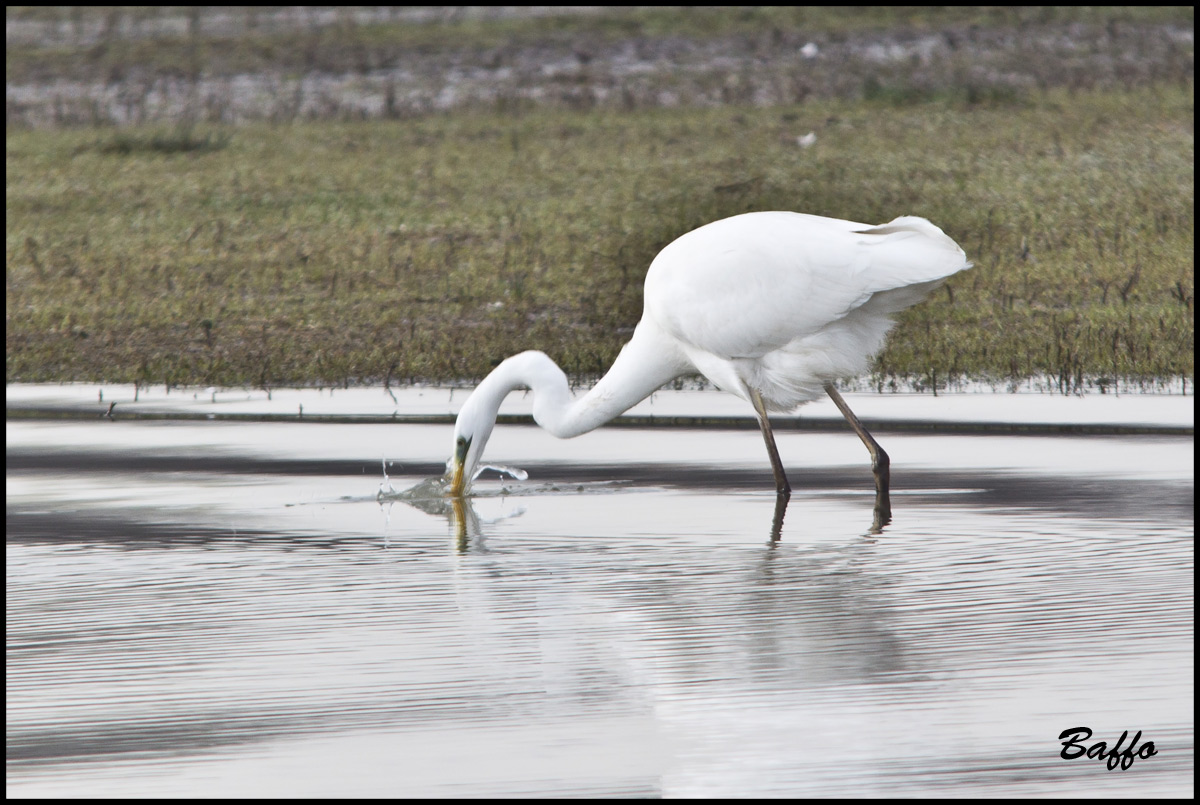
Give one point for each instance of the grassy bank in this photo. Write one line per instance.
(328, 252)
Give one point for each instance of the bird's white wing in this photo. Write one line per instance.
(745, 286)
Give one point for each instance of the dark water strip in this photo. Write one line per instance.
(783, 423)
(1078, 496)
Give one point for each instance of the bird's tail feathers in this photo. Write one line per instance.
(910, 253)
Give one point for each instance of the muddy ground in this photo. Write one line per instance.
(221, 66)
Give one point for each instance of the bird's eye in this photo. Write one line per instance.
(461, 441)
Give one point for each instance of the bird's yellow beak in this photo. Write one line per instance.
(458, 468)
(456, 479)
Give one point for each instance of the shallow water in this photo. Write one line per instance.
(225, 609)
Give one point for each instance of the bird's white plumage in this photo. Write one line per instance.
(784, 302)
(777, 304)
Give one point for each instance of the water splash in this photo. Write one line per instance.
(391, 490)
(515, 472)
(436, 491)
(426, 489)
(431, 494)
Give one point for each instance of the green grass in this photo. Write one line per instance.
(331, 253)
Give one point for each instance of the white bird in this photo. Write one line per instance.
(770, 306)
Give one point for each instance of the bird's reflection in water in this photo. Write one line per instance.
(655, 613)
(815, 613)
(429, 496)
(881, 515)
(883, 510)
(464, 522)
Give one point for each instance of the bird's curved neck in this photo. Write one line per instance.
(647, 362)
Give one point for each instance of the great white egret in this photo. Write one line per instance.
(770, 306)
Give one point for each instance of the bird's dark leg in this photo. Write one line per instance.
(879, 460)
(782, 487)
(781, 502)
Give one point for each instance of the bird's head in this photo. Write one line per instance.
(471, 432)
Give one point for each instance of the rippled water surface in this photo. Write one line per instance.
(226, 609)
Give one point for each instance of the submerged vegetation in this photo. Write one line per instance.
(429, 246)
